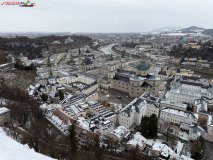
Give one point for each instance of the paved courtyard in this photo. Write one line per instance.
(111, 95)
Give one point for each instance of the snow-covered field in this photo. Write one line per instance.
(12, 150)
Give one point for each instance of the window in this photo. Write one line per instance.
(132, 88)
(143, 89)
(132, 83)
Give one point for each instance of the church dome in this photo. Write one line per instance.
(87, 61)
(87, 51)
(143, 66)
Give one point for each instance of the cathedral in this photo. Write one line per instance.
(86, 63)
(133, 83)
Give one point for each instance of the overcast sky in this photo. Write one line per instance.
(105, 15)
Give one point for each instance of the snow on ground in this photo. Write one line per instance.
(12, 150)
(159, 140)
(183, 135)
(179, 147)
(172, 143)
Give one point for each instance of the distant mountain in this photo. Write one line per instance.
(164, 29)
(191, 29)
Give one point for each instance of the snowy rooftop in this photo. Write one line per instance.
(181, 105)
(102, 110)
(202, 104)
(119, 131)
(3, 110)
(139, 104)
(182, 113)
(137, 139)
(76, 109)
(166, 151)
(158, 146)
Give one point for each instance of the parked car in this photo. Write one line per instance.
(119, 97)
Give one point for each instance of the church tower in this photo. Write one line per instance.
(51, 78)
(49, 65)
(111, 68)
(177, 75)
(123, 64)
(80, 59)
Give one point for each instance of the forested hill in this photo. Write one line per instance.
(32, 47)
(205, 52)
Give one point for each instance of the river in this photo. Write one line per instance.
(107, 48)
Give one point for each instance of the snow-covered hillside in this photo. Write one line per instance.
(13, 150)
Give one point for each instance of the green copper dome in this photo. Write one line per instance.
(111, 58)
(143, 66)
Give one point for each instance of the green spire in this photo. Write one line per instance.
(51, 75)
(79, 52)
(123, 56)
(111, 58)
(48, 62)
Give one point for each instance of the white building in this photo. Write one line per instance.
(196, 131)
(178, 116)
(140, 107)
(184, 91)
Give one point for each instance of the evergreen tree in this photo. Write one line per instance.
(61, 95)
(153, 125)
(44, 97)
(73, 141)
(144, 128)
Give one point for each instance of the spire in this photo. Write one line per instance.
(79, 52)
(111, 58)
(123, 56)
(48, 62)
